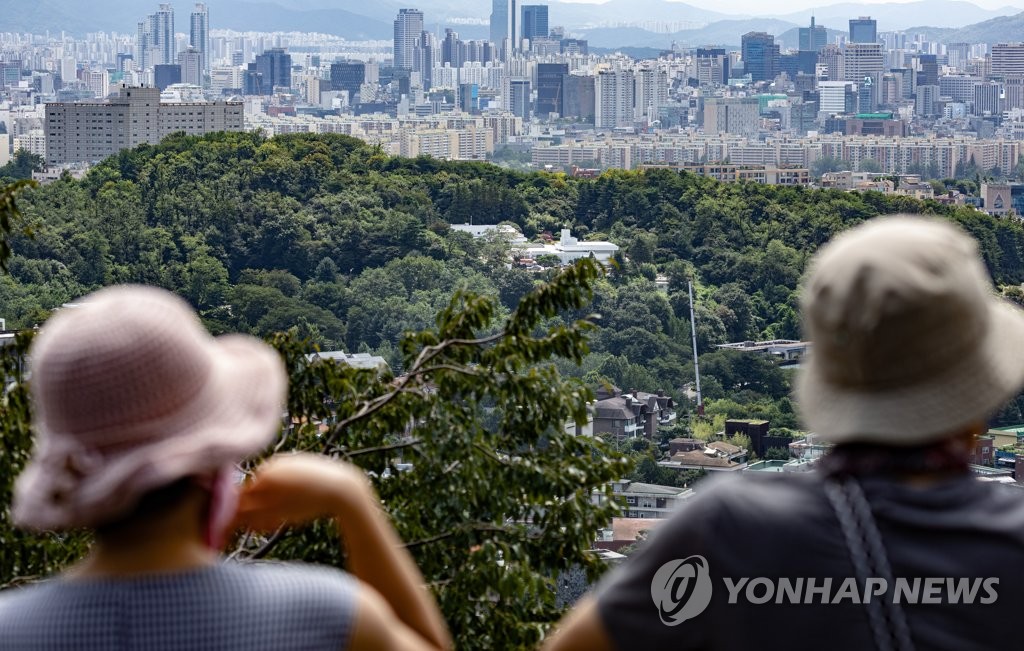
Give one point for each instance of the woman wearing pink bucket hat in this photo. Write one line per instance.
(141, 416)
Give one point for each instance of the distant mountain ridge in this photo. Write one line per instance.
(656, 24)
(1005, 29)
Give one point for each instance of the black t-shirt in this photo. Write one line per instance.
(956, 549)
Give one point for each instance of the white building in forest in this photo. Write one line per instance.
(569, 249)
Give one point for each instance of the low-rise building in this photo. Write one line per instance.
(640, 500)
(634, 414)
(568, 249)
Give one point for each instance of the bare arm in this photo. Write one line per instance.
(296, 488)
(580, 630)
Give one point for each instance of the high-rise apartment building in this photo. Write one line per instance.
(199, 35)
(760, 55)
(534, 22)
(863, 30)
(92, 131)
(650, 93)
(813, 38)
(408, 28)
(613, 99)
(155, 43)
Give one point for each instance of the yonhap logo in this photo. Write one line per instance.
(681, 589)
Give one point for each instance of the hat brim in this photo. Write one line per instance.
(968, 392)
(234, 416)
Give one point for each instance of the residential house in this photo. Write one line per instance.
(639, 500)
(716, 457)
(634, 414)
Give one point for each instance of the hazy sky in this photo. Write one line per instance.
(759, 7)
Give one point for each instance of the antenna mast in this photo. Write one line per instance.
(696, 367)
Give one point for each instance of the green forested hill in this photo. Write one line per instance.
(353, 247)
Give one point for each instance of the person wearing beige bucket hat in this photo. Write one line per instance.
(140, 418)
(890, 543)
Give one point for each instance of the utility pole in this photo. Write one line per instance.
(696, 367)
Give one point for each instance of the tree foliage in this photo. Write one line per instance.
(469, 451)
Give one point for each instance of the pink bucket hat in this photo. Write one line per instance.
(131, 393)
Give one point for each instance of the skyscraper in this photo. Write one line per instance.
(452, 49)
(274, 68)
(813, 38)
(863, 30)
(534, 22)
(760, 55)
(408, 27)
(163, 26)
(517, 97)
(550, 88)
(928, 70)
(505, 26)
(348, 76)
(199, 35)
(155, 39)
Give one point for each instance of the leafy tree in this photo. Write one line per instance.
(829, 164)
(22, 165)
(869, 165)
(492, 515)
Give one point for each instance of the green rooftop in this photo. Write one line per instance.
(885, 115)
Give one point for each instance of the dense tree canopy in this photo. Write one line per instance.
(345, 247)
(353, 247)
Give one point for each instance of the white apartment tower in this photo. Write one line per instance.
(199, 35)
(650, 93)
(613, 99)
(155, 39)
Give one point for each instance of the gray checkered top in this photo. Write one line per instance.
(223, 607)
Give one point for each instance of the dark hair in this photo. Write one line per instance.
(152, 505)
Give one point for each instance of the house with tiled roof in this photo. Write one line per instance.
(634, 414)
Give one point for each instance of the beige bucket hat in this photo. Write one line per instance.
(910, 342)
(131, 393)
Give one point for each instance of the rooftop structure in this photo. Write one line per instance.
(787, 349)
(568, 249)
(362, 361)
